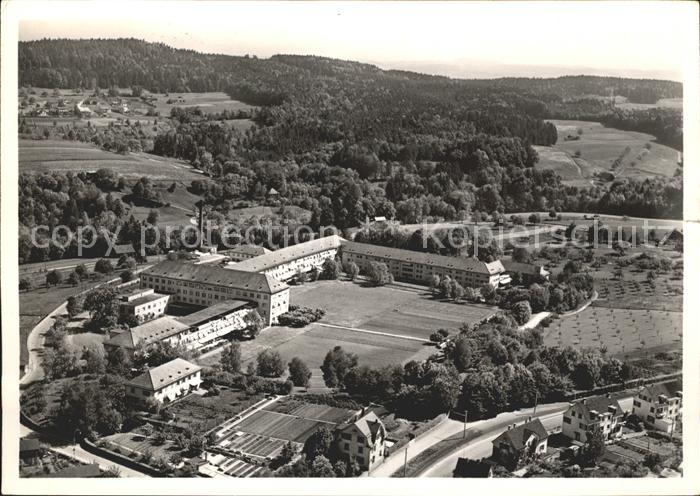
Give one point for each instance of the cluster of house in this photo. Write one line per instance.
(658, 406)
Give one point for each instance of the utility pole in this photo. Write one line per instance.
(405, 460)
(464, 432)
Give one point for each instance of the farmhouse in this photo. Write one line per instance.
(364, 441)
(166, 382)
(419, 267)
(285, 263)
(659, 405)
(520, 443)
(205, 285)
(582, 416)
(144, 304)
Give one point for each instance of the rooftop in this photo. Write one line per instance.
(524, 268)
(238, 279)
(248, 250)
(460, 263)
(518, 435)
(28, 444)
(147, 333)
(142, 300)
(472, 468)
(598, 403)
(369, 425)
(668, 389)
(213, 311)
(162, 376)
(287, 254)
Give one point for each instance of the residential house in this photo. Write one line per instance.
(660, 406)
(363, 441)
(598, 412)
(520, 443)
(29, 449)
(166, 382)
(526, 273)
(119, 250)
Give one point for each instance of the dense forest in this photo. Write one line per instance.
(341, 139)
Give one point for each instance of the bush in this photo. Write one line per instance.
(300, 316)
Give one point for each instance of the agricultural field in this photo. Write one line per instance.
(201, 413)
(73, 156)
(674, 103)
(212, 102)
(298, 408)
(229, 466)
(620, 331)
(598, 147)
(137, 443)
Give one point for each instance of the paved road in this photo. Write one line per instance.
(35, 345)
(481, 446)
(451, 427)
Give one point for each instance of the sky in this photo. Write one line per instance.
(458, 39)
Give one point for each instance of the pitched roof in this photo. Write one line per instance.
(247, 250)
(598, 403)
(162, 376)
(518, 435)
(468, 264)
(148, 332)
(287, 254)
(238, 279)
(369, 425)
(213, 311)
(668, 389)
(472, 468)
(123, 249)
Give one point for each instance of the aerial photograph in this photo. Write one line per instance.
(350, 240)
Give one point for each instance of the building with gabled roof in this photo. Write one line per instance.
(660, 406)
(287, 262)
(165, 382)
(206, 285)
(245, 251)
(421, 266)
(520, 443)
(164, 328)
(602, 412)
(144, 304)
(363, 441)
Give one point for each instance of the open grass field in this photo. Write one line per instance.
(599, 147)
(135, 442)
(72, 156)
(621, 331)
(211, 102)
(675, 103)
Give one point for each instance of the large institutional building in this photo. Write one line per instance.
(259, 280)
(419, 267)
(285, 263)
(206, 285)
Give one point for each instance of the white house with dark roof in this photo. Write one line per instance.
(165, 328)
(660, 406)
(165, 382)
(584, 415)
(206, 285)
(519, 443)
(144, 304)
(420, 267)
(363, 441)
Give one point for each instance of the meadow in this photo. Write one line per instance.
(211, 102)
(73, 156)
(598, 147)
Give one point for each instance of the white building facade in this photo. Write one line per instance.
(166, 382)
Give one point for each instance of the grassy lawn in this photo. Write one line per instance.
(599, 147)
(73, 156)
